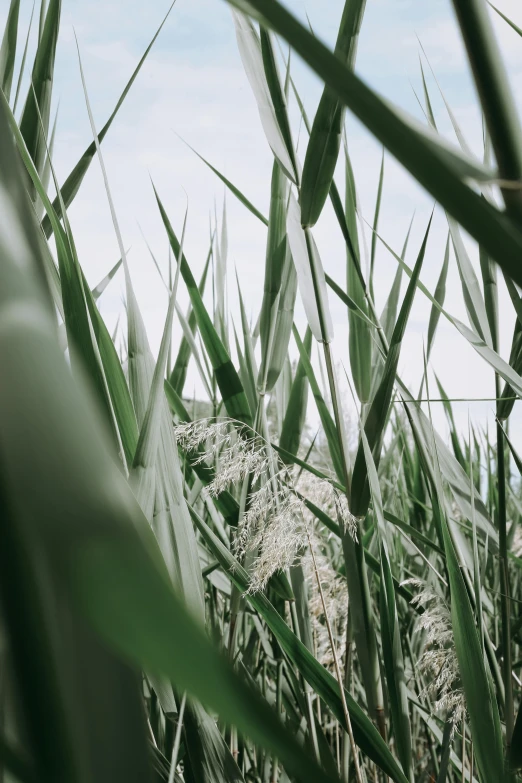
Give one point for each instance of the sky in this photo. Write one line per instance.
(193, 87)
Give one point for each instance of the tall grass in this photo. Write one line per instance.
(198, 590)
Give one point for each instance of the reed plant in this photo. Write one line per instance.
(200, 591)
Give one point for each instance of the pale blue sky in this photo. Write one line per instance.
(193, 84)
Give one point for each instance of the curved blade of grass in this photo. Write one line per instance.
(360, 344)
(439, 296)
(510, 22)
(250, 50)
(429, 109)
(310, 274)
(38, 101)
(220, 276)
(507, 401)
(98, 290)
(235, 191)
(489, 281)
(349, 302)
(278, 95)
(325, 136)
(455, 441)
(46, 170)
(24, 59)
(276, 258)
(75, 296)
(493, 87)
(470, 287)
(8, 48)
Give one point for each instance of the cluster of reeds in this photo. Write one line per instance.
(223, 598)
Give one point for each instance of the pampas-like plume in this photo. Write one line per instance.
(276, 522)
(439, 658)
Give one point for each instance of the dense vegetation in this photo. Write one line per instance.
(206, 591)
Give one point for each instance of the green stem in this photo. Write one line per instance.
(505, 601)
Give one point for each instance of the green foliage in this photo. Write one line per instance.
(190, 597)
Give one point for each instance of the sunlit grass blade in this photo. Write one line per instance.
(310, 274)
(279, 97)
(98, 290)
(429, 109)
(252, 57)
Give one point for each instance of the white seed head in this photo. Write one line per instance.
(438, 660)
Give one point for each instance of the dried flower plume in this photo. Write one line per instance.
(439, 658)
(275, 526)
